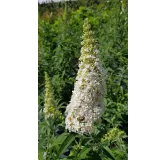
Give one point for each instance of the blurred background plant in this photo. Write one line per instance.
(60, 30)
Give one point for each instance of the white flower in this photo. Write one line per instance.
(86, 105)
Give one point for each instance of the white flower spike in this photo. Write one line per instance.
(86, 105)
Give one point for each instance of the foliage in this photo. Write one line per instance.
(59, 50)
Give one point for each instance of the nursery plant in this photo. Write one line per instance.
(83, 81)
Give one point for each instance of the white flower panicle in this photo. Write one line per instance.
(86, 105)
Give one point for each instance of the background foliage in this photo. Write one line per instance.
(60, 31)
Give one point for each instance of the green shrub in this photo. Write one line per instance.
(59, 49)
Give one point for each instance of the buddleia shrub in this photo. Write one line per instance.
(59, 52)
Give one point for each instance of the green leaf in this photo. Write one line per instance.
(61, 138)
(67, 141)
(108, 153)
(54, 143)
(83, 152)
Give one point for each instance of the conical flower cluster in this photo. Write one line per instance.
(86, 105)
(49, 106)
